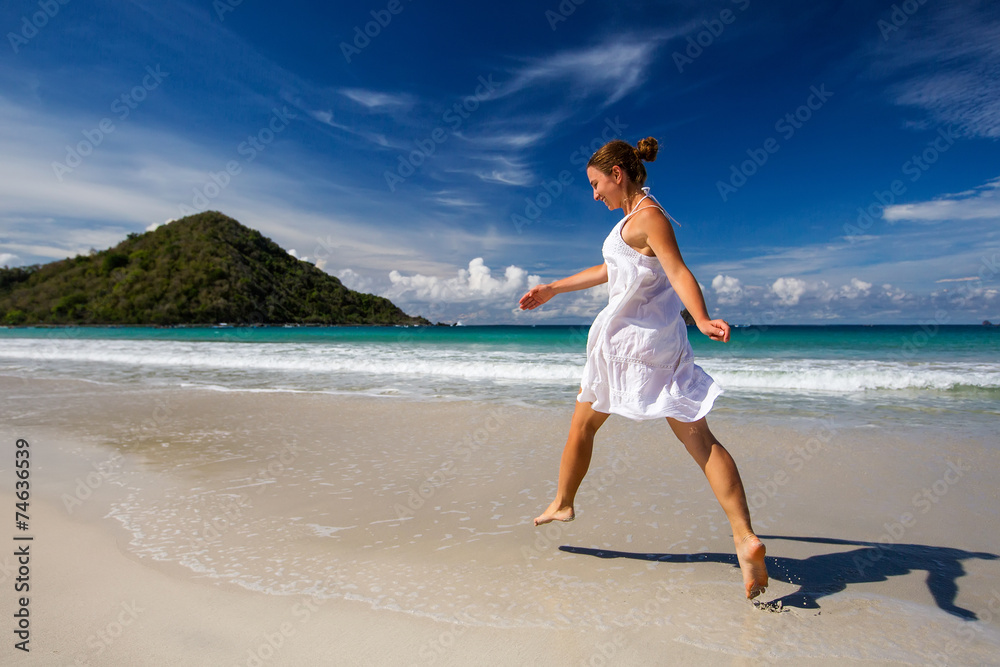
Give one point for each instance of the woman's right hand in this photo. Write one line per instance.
(715, 329)
(536, 296)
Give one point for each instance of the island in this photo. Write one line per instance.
(203, 269)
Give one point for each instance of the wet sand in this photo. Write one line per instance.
(204, 527)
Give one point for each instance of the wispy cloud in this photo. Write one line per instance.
(503, 170)
(543, 93)
(376, 100)
(607, 71)
(325, 116)
(123, 188)
(980, 203)
(954, 46)
(957, 280)
(455, 200)
(472, 161)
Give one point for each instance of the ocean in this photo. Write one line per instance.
(870, 455)
(866, 374)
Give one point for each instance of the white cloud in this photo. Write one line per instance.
(967, 295)
(355, 281)
(472, 295)
(894, 294)
(153, 226)
(7, 259)
(728, 289)
(475, 296)
(475, 283)
(788, 290)
(857, 288)
(980, 203)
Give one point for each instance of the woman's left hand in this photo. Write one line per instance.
(715, 329)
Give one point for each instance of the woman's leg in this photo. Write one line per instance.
(575, 462)
(724, 478)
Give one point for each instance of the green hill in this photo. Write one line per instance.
(202, 269)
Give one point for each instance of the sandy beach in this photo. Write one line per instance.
(194, 526)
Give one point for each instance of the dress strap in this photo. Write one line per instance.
(646, 196)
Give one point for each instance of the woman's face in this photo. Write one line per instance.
(606, 187)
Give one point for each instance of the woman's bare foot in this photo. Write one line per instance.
(750, 553)
(556, 512)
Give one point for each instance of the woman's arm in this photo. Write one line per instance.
(659, 237)
(587, 278)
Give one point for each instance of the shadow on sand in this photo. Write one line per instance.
(828, 573)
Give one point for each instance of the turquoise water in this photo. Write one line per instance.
(970, 342)
(778, 369)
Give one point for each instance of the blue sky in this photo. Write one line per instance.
(829, 162)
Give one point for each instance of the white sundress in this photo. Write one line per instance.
(639, 361)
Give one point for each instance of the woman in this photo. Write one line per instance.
(639, 361)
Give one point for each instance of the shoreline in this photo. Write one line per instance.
(586, 323)
(422, 511)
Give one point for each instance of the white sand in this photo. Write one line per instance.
(200, 527)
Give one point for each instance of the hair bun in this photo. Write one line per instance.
(647, 149)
